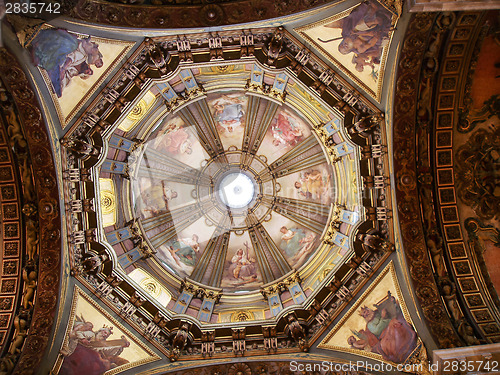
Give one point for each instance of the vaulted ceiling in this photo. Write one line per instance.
(246, 186)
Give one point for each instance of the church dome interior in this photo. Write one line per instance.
(249, 187)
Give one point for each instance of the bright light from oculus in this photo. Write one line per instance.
(236, 190)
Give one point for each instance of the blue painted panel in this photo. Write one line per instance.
(112, 166)
(183, 302)
(297, 293)
(121, 143)
(206, 310)
(275, 304)
(342, 240)
(118, 235)
(343, 149)
(349, 217)
(129, 258)
(332, 126)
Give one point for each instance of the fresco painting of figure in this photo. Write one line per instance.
(95, 344)
(91, 351)
(286, 130)
(65, 56)
(378, 325)
(386, 332)
(185, 250)
(242, 265)
(181, 253)
(296, 244)
(356, 41)
(241, 270)
(313, 185)
(228, 113)
(365, 31)
(174, 140)
(156, 198)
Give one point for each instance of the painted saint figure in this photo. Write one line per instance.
(65, 56)
(364, 33)
(157, 197)
(228, 112)
(312, 185)
(296, 244)
(185, 250)
(387, 332)
(291, 240)
(174, 140)
(286, 131)
(91, 352)
(306, 247)
(242, 265)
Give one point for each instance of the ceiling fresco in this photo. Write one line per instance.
(218, 193)
(96, 343)
(377, 325)
(316, 188)
(243, 207)
(357, 41)
(73, 66)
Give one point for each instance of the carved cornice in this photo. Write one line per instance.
(405, 126)
(46, 198)
(186, 13)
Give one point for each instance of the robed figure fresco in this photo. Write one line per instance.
(90, 352)
(286, 130)
(365, 31)
(174, 140)
(313, 185)
(228, 113)
(386, 333)
(296, 244)
(64, 56)
(185, 250)
(242, 265)
(156, 198)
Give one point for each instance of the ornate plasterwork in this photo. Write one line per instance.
(96, 267)
(405, 107)
(464, 175)
(39, 198)
(424, 133)
(166, 15)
